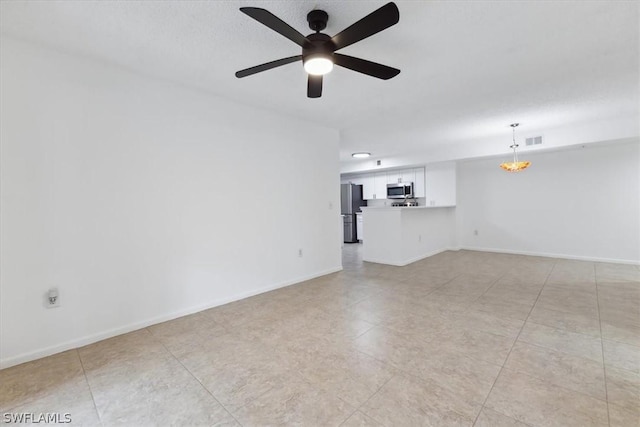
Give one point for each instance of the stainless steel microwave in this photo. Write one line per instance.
(402, 190)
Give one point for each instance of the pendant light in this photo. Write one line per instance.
(515, 166)
(360, 155)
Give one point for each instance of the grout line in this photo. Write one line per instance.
(565, 331)
(444, 284)
(400, 370)
(486, 290)
(515, 341)
(370, 397)
(555, 310)
(530, 375)
(359, 335)
(296, 372)
(193, 376)
(490, 287)
(84, 372)
(604, 367)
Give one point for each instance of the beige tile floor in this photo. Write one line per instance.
(461, 338)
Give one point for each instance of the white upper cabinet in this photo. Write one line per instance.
(408, 175)
(418, 182)
(374, 185)
(440, 179)
(366, 181)
(394, 177)
(399, 176)
(435, 182)
(380, 185)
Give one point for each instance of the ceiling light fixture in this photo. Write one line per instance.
(361, 155)
(318, 64)
(319, 50)
(515, 166)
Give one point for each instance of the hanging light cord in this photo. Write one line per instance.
(514, 146)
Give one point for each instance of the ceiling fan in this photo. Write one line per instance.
(319, 50)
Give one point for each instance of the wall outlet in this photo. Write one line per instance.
(419, 237)
(330, 205)
(300, 253)
(52, 298)
(475, 232)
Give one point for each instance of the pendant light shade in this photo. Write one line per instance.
(515, 165)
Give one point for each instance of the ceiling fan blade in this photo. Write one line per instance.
(269, 65)
(371, 24)
(314, 86)
(276, 24)
(365, 67)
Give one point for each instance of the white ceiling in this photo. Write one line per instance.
(469, 68)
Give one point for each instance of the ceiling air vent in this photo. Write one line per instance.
(534, 140)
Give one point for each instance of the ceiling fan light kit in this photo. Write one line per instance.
(318, 64)
(318, 49)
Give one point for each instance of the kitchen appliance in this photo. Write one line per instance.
(350, 203)
(401, 190)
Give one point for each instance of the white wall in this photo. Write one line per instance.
(142, 200)
(581, 203)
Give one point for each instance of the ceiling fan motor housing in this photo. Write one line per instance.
(319, 45)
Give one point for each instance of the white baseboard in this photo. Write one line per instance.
(379, 261)
(410, 260)
(429, 254)
(552, 255)
(506, 251)
(90, 339)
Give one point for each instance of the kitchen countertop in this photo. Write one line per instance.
(405, 207)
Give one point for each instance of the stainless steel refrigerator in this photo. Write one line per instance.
(350, 203)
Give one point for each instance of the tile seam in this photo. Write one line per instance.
(514, 342)
(86, 379)
(604, 365)
(194, 377)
